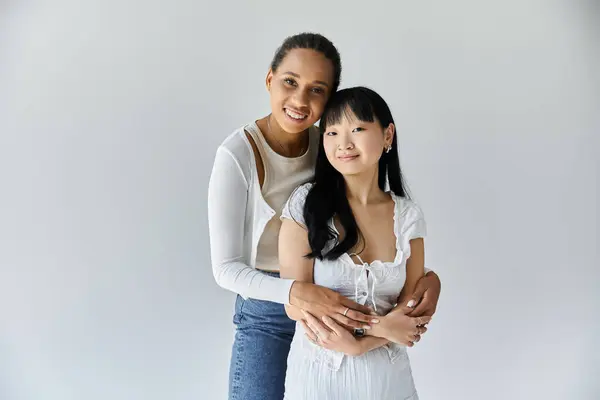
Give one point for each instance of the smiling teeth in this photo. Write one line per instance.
(294, 115)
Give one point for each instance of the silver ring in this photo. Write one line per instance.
(346, 312)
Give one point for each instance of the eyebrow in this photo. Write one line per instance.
(298, 76)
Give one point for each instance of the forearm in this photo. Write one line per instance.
(249, 282)
(406, 295)
(402, 302)
(363, 345)
(378, 331)
(369, 343)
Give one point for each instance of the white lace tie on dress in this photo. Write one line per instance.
(359, 275)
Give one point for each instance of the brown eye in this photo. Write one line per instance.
(290, 82)
(359, 129)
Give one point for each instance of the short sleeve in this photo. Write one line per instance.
(294, 207)
(413, 225)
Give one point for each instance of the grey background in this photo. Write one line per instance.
(110, 114)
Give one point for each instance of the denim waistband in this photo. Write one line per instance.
(270, 273)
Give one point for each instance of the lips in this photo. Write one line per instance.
(295, 115)
(348, 157)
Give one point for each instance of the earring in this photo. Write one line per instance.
(387, 149)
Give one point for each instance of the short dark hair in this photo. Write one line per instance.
(312, 41)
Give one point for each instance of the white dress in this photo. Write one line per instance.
(314, 373)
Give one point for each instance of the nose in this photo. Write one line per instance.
(300, 99)
(344, 142)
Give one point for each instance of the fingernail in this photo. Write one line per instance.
(367, 327)
(411, 303)
(375, 321)
(374, 313)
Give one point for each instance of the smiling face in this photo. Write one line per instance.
(299, 89)
(353, 146)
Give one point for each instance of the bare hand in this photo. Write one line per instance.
(331, 335)
(400, 328)
(425, 296)
(320, 301)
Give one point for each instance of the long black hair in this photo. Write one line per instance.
(327, 197)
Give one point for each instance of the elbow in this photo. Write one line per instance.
(218, 274)
(216, 269)
(292, 312)
(227, 277)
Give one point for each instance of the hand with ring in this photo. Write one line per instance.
(330, 335)
(400, 328)
(321, 301)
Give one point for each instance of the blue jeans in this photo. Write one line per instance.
(259, 357)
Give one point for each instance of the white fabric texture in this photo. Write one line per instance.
(237, 216)
(384, 373)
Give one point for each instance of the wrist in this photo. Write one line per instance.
(359, 347)
(295, 291)
(362, 347)
(378, 330)
(368, 344)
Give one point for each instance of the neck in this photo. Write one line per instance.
(284, 143)
(364, 188)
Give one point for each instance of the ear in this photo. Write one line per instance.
(269, 79)
(388, 134)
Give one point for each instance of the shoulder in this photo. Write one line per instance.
(410, 217)
(237, 145)
(294, 207)
(408, 210)
(408, 206)
(236, 149)
(298, 196)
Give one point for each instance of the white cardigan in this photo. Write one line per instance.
(237, 216)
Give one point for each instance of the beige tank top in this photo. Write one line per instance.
(282, 176)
